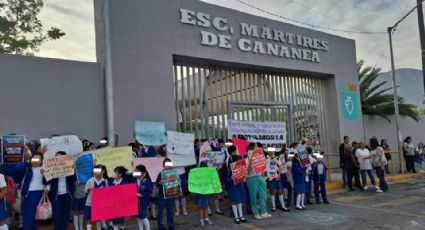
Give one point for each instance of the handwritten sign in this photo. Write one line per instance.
(270, 134)
(272, 171)
(114, 157)
(204, 181)
(239, 171)
(241, 145)
(180, 143)
(258, 161)
(57, 167)
(150, 133)
(108, 202)
(13, 148)
(84, 164)
(283, 166)
(303, 155)
(213, 159)
(154, 165)
(70, 144)
(171, 183)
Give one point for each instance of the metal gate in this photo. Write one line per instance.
(203, 94)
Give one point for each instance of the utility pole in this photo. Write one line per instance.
(422, 39)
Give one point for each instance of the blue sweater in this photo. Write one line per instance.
(24, 169)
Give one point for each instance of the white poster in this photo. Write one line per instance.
(71, 144)
(180, 160)
(213, 159)
(180, 143)
(270, 134)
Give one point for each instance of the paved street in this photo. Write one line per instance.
(401, 208)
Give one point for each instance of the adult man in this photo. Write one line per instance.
(342, 149)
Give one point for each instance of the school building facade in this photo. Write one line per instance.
(193, 66)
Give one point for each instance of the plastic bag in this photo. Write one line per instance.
(44, 209)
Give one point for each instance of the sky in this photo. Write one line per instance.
(76, 19)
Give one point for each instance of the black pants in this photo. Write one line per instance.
(353, 173)
(381, 175)
(410, 165)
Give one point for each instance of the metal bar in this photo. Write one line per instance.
(222, 95)
(176, 95)
(195, 75)
(206, 101)
(183, 99)
(189, 98)
(210, 107)
(228, 99)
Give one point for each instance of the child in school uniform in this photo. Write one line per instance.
(97, 181)
(237, 193)
(120, 177)
(78, 203)
(162, 202)
(299, 173)
(3, 211)
(185, 189)
(274, 184)
(144, 192)
(203, 202)
(319, 179)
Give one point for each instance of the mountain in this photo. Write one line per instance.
(410, 84)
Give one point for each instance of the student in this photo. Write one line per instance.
(237, 193)
(3, 211)
(203, 202)
(32, 189)
(144, 192)
(162, 202)
(274, 183)
(308, 178)
(61, 194)
(299, 173)
(97, 181)
(119, 178)
(287, 179)
(185, 190)
(319, 179)
(78, 202)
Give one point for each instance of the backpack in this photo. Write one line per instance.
(11, 190)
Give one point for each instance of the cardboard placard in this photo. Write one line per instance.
(154, 165)
(204, 181)
(57, 167)
(239, 171)
(258, 161)
(171, 183)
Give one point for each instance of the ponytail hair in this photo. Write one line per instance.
(142, 168)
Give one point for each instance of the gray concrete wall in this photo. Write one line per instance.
(146, 34)
(41, 96)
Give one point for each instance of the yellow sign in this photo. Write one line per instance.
(114, 157)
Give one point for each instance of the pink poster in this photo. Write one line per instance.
(107, 203)
(152, 164)
(241, 145)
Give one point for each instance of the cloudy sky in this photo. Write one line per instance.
(76, 19)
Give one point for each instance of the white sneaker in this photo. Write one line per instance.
(209, 221)
(177, 213)
(185, 213)
(266, 215)
(202, 223)
(258, 217)
(379, 190)
(365, 187)
(377, 187)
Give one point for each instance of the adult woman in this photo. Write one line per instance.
(409, 153)
(379, 162)
(363, 155)
(387, 149)
(352, 166)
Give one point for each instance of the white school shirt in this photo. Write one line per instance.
(320, 168)
(62, 186)
(90, 185)
(365, 164)
(2, 181)
(36, 183)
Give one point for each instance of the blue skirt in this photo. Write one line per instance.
(299, 186)
(87, 213)
(275, 184)
(237, 193)
(78, 204)
(3, 211)
(203, 200)
(183, 183)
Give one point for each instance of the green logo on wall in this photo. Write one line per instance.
(349, 104)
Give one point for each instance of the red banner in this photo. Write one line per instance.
(114, 202)
(258, 161)
(241, 145)
(239, 171)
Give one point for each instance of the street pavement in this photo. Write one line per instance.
(403, 207)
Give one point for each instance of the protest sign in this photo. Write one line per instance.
(270, 134)
(241, 144)
(180, 160)
(70, 144)
(150, 133)
(283, 166)
(114, 202)
(214, 159)
(171, 183)
(258, 161)
(272, 171)
(154, 165)
(84, 164)
(114, 157)
(12, 148)
(180, 143)
(239, 171)
(303, 155)
(204, 181)
(57, 167)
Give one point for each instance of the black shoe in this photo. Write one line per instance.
(243, 220)
(285, 209)
(309, 203)
(210, 214)
(237, 221)
(273, 210)
(219, 212)
(164, 228)
(299, 208)
(172, 229)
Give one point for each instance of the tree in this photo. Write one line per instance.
(21, 32)
(375, 98)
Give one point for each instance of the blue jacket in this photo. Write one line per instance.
(315, 173)
(54, 186)
(145, 188)
(24, 169)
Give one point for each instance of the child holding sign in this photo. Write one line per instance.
(273, 179)
(237, 193)
(299, 173)
(120, 178)
(203, 202)
(162, 201)
(97, 181)
(144, 192)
